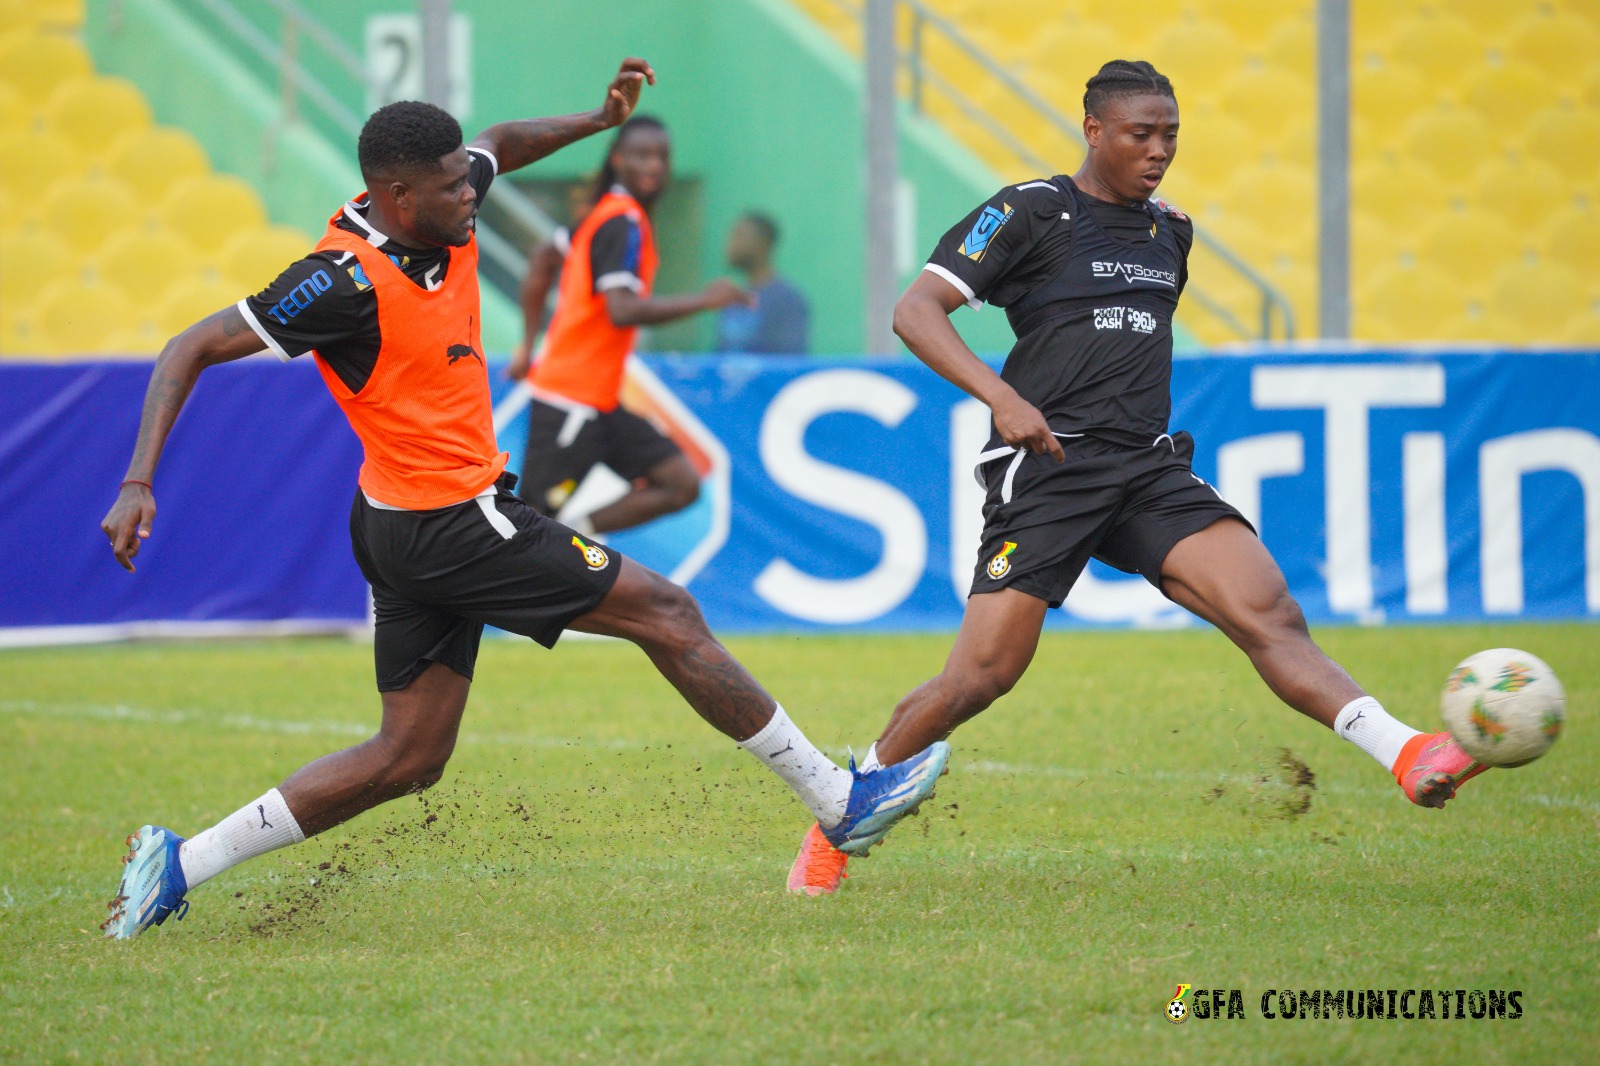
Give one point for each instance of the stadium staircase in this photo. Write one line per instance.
(1475, 132)
(108, 221)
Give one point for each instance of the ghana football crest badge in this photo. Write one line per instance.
(594, 556)
(1000, 565)
(1177, 1011)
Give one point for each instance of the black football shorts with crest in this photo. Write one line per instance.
(439, 576)
(1126, 506)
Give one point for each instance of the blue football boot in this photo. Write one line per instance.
(153, 885)
(880, 798)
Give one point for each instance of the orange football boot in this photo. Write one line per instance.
(819, 867)
(1432, 766)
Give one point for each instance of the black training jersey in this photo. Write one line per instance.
(614, 252)
(325, 301)
(1089, 288)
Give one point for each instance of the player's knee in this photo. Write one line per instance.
(674, 615)
(411, 767)
(978, 688)
(1277, 619)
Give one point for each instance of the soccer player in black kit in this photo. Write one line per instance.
(1080, 462)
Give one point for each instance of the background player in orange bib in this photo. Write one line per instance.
(388, 305)
(575, 419)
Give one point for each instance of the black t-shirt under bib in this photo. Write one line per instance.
(1090, 305)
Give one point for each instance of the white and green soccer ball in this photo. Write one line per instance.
(1504, 706)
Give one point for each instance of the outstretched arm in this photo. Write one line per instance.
(922, 320)
(627, 308)
(516, 144)
(218, 338)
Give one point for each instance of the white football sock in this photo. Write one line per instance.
(870, 761)
(1368, 726)
(821, 784)
(254, 829)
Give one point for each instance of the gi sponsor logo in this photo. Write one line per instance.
(1116, 317)
(594, 556)
(300, 297)
(983, 231)
(1135, 272)
(1000, 565)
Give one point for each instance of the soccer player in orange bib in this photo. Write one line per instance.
(576, 419)
(388, 306)
(1081, 462)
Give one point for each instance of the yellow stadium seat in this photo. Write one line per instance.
(1540, 295)
(1571, 237)
(82, 213)
(1410, 302)
(144, 263)
(78, 317)
(1439, 48)
(1563, 47)
(1292, 46)
(1374, 23)
(30, 160)
(1255, 22)
(1193, 53)
(1507, 96)
(31, 262)
(35, 64)
(1583, 329)
(55, 14)
(95, 111)
(1384, 96)
(198, 206)
(1452, 142)
(1274, 197)
(15, 112)
(1393, 192)
(152, 161)
(1276, 102)
(1520, 189)
(1488, 17)
(188, 300)
(1464, 244)
(1077, 49)
(1566, 137)
(253, 259)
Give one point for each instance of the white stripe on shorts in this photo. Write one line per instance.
(502, 525)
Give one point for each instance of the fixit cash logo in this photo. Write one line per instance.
(983, 231)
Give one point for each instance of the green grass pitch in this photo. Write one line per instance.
(600, 876)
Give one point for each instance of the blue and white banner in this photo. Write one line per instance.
(1390, 486)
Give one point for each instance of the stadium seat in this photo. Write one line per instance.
(1571, 236)
(35, 64)
(1521, 189)
(188, 300)
(152, 161)
(1437, 48)
(32, 159)
(198, 205)
(1383, 97)
(1567, 137)
(1536, 294)
(95, 111)
(83, 212)
(76, 317)
(1254, 22)
(143, 263)
(1462, 243)
(1292, 45)
(29, 263)
(15, 113)
(252, 259)
(1192, 51)
(1583, 329)
(1396, 193)
(1401, 303)
(54, 14)
(1212, 149)
(1276, 102)
(1450, 141)
(1562, 47)
(1508, 96)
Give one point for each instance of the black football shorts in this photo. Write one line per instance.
(1125, 506)
(564, 444)
(438, 577)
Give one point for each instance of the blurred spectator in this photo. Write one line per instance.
(780, 320)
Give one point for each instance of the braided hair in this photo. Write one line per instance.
(1124, 77)
(608, 173)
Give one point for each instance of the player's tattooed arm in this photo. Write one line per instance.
(516, 144)
(218, 338)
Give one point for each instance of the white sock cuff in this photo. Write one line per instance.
(772, 737)
(276, 807)
(1353, 709)
(869, 762)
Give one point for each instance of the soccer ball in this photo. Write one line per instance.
(1504, 706)
(1177, 1010)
